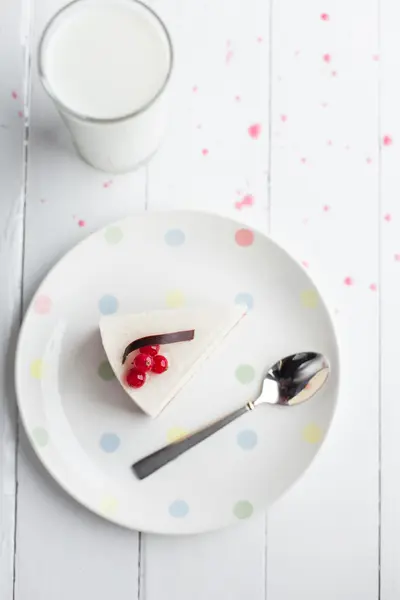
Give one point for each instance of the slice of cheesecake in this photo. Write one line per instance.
(210, 325)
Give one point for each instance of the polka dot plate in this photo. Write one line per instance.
(86, 430)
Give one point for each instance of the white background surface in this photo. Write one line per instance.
(324, 177)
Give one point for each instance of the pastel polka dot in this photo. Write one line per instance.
(108, 505)
(40, 436)
(244, 237)
(109, 442)
(245, 299)
(309, 298)
(36, 369)
(42, 305)
(113, 235)
(175, 237)
(108, 304)
(312, 433)
(176, 433)
(243, 509)
(247, 439)
(105, 371)
(178, 509)
(245, 373)
(175, 299)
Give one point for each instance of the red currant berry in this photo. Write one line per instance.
(135, 378)
(143, 362)
(160, 364)
(150, 350)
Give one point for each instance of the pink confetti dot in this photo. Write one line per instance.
(303, 160)
(305, 264)
(324, 17)
(228, 57)
(283, 118)
(369, 160)
(244, 237)
(195, 89)
(329, 143)
(204, 152)
(387, 140)
(326, 208)
(107, 184)
(397, 257)
(375, 57)
(20, 114)
(388, 217)
(42, 305)
(237, 98)
(81, 223)
(327, 58)
(260, 39)
(254, 131)
(348, 281)
(373, 287)
(247, 200)
(14, 95)
(324, 104)
(334, 73)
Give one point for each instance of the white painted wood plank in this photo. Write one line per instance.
(220, 92)
(63, 551)
(11, 231)
(210, 162)
(323, 537)
(227, 564)
(390, 297)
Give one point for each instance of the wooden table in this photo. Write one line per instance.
(286, 115)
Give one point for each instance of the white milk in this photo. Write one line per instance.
(106, 64)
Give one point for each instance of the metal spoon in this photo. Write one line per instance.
(292, 380)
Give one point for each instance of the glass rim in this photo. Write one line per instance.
(87, 118)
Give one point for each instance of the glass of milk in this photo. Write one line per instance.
(107, 64)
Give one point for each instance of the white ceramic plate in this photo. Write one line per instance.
(86, 430)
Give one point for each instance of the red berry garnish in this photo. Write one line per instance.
(160, 364)
(143, 362)
(150, 350)
(135, 378)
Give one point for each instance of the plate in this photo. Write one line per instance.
(86, 430)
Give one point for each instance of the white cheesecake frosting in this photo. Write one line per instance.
(211, 325)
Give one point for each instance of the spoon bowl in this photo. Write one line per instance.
(294, 379)
(291, 380)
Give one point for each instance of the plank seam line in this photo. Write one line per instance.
(146, 189)
(379, 304)
(27, 72)
(139, 567)
(270, 69)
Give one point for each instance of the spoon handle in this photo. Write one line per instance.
(151, 463)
